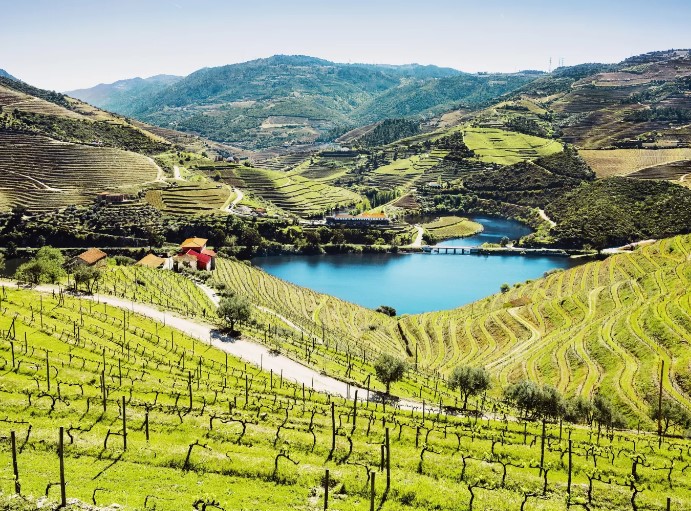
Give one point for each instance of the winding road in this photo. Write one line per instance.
(417, 243)
(244, 349)
(547, 219)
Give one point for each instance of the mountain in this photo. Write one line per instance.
(299, 99)
(643, 100)
(119, 96)
(5, 74)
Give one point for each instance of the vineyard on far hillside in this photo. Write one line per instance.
(42, 174)
(601, 327)
(294, 193)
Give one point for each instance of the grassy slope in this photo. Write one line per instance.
(507, 147)
(238, 471)
(294, 193)
(452, 227)
(601, 326)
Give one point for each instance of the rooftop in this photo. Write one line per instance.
(194, 243)
(151, 260)
(92, 256)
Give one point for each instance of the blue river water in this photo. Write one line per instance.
(415, 283)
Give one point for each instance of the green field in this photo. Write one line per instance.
(507, 147)
(190, 198)
(203, 429)
(603, 326)
(294, 193)
(42, 174)
(452, 227)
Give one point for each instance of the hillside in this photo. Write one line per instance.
(144, 415)
(298, 99)
(123, 94)
(603, 326)
(56, 151)
(5, 74)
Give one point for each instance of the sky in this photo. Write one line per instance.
(69, 44)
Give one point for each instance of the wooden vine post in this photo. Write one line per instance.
(15, 467)
(61, 454)
(659, 407)
(326, 489)
(388, 462)
(124, 425)
(542, 447)
(372, 493)
(568, 484)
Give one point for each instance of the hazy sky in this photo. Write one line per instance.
(70, 44)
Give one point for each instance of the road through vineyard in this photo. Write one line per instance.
(244, 349)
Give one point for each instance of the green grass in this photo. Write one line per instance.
(236, 471)
(294, 193)
(507, 147)
(452, 227)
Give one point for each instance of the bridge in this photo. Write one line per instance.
(449, 249)
(467, 250)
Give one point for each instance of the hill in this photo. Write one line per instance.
(602, 326)
(298, 99)
(5, 74)
(123, 94)
(56, 151)
(126, 409)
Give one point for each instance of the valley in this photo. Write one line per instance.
(296, 283)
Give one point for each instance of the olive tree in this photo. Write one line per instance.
(470, 381)
(234, 308)
(47, 266)
(389, 369)
(86, 275)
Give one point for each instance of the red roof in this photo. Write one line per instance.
(209, 252)
(202, 258)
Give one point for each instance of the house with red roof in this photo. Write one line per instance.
(195, 254)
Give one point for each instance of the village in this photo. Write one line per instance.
(193, 254)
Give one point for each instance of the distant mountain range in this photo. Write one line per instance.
(118, 96)
(296, 99)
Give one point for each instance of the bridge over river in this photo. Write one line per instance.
(475, 250)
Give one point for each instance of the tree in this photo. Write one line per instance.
(672, 414)
(87, 275)
(234, 308)
(470, 381)
(45, 267)
(531, 399)
(504, 288)
(579, 410)
(389, 369)
(386, 309)
(504, 241)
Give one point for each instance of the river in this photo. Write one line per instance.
(415, 283)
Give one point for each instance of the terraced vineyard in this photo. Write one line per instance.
(166, 289)
(294, 193)
(621, 162)
(604, 326)
(452, 227)
(189, 199)
(312, 311)
(142, 415)
(42, 174)
(507, 147)
(12, 99)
